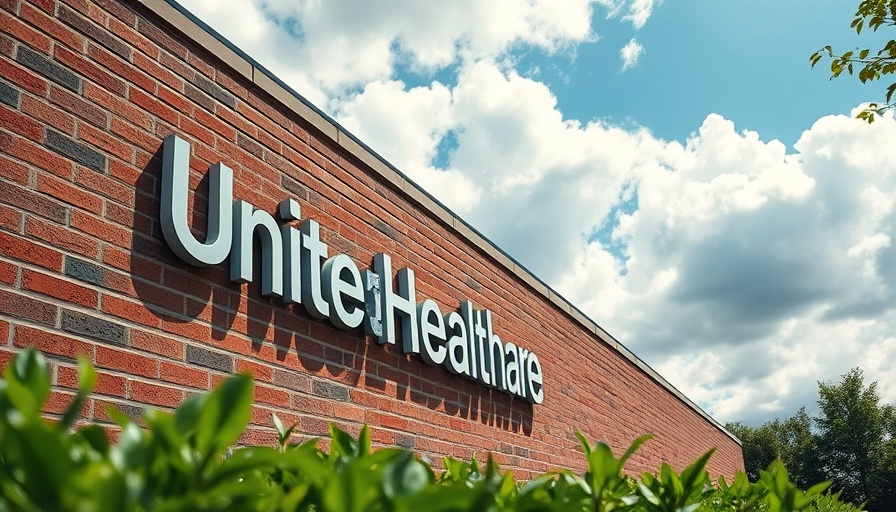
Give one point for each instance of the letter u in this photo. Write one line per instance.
(175, 226)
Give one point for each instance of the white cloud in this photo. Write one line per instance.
(636, 11)
(325, 49)
(630, 53)
(640, 10)
(743, 272)
(406, 126)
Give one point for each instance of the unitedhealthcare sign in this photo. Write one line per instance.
(297, 268)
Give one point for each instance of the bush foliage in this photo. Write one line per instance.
(186, 460)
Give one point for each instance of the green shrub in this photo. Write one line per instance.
(186, 461)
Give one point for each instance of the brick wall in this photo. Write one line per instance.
(88, 90)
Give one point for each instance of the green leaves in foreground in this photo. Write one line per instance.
(187, 460)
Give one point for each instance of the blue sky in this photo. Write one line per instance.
(675, 169)
(744, 59)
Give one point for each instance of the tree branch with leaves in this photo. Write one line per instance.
(873, 14)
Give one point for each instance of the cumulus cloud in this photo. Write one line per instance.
(630, 53)
(743, 271)
(765, 271)
(407, 126)
(326, 49)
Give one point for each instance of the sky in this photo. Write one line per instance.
(673, 168)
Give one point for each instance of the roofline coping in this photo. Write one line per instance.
(220, 47)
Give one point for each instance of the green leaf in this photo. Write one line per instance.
(586, 447)
(890, 90)
(404, 476)
(223, 416)
(96, 438)
(28, 382)
(186, 417)
(281, 430)
(364, 441)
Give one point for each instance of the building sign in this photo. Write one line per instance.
(296, 267)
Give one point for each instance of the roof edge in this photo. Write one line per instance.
(182, 20)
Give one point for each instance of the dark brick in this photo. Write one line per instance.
(31, 59)
(474, 284)
(294, 187)
(214, 90)
(78, 152)
(132, 411)
(209, 359)
(292, 380)
(199, 97)
(90, 30)
(33, 202)
(330, 390)
(406, 442)
(9, 95)
(83, 271)
(386, 229)
(250, 145)
(19, 306)
(95, 328)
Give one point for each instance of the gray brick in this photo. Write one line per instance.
(83, 271)
(92, 327)
(209, 359)
(199, 97)
(250, 145)
(292, 380)
(386, 229)
(78, 152)
(294, 187)
(62, 76)
(406, 442)
(214, 90)
(132, 411)
(330, 390)
(9, 95)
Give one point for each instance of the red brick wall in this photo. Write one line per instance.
(88, 90)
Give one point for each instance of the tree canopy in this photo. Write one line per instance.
(852, 441)
(871, 64)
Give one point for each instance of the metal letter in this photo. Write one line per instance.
(457, 361)
(248, 220)
(313, 253)
(432, 332)
(342, 289)
(401, 304)
(536, 381)
(175, 186)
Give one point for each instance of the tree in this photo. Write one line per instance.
(798, 448)
(856, 440)
(852, 442)
(872, 14)
(791, 440)
(758, 447)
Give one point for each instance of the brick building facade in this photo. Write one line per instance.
(89, 89)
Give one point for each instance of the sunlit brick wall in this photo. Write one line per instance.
(88, 90)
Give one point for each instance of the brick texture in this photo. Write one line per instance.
(86, 97)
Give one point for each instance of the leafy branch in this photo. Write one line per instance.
(871, 66)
